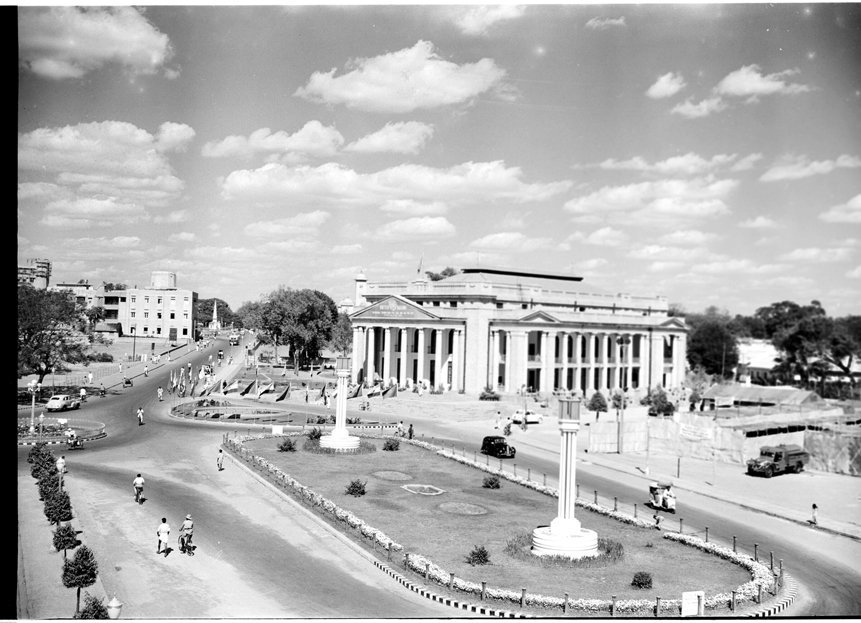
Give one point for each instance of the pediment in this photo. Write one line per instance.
(674, 323)
(539, 316)
(393, 308)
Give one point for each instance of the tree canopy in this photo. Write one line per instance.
(712, 347)
(203, 312)
(48, 334)
(301, 319)
(448, 271)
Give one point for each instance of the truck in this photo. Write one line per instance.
(233, 339)
(778, 460)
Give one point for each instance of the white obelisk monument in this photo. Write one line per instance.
(339, 439)
(564, 536)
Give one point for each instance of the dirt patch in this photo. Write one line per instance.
(461, 508)
(390, 475)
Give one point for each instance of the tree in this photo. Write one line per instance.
(80, 572)
(46, 331)
(93, 608)
(659, 403)
(597, 403)
(107, 286)
(448, 271)
(712, 347)
(250, 315)
(302, 319)
(342, 335)
(65, 537)
(203, 312)
(58, 507)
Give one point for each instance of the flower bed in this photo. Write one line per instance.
(761, 576)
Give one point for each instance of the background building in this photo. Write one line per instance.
(514, 331)
(35, 272)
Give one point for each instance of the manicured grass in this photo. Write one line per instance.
(446, 527)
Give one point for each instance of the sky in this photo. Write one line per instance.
(707, 153)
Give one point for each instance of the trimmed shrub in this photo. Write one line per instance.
(478, 556)
(80, 572)
(288, 445)
(488, 394)
(58, 507)
(391, 445)
(356, 488)
(65, 538)
(314, 434)
(642, 579)
(48, 486)
(490, 482)
(93, 608)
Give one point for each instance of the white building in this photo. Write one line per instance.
(514, 331)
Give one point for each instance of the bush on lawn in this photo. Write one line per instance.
(491, 482)
(391, 445)
(356, 488)
(488, 394)
(314, 434)
(288, 445)
(478, 556)
(642, 579)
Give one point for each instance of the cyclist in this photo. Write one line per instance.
(185, 533)
(138, 484)
(83, 395)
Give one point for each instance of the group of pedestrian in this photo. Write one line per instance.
(186, 530)
(401, 432)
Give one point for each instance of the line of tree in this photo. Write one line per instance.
(809, 342)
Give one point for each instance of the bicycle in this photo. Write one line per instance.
(139, 498)
(185, 546)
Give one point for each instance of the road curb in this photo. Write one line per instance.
(785, 602)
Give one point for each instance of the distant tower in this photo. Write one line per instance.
(215, 325)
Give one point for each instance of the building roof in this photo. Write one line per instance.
(758, 394)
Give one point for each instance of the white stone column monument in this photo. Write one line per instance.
(564, 536)
(339, 439)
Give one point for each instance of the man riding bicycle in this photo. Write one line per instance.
(185, 533)
(138, 484)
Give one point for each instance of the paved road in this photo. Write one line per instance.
(259, 554)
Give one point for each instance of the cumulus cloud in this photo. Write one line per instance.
(855, 273)
(751, 83)
(668, 200)
(465, 183)
(666, 86)
(478, 20)
(65, 42)
(606, 237)
(704, 108)
(603, 23)
(510, 241)
(798, 167)
(687, 164)
(668, 253)
(417, 227)
(747, 163)
(86, 212)
(688, 237)
(723, 266)
(183, 236)
(760, 222)
(404, 81)
(849, 212)
(817, 254)
(406, 137)
(313, 139)
(111, 158)
(414, 208)
(305, 224)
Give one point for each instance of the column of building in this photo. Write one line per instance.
(547, 363)
(358, 358)
(493, 381)
(563, 373)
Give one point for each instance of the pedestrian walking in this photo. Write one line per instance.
(219, 461)
(121, 367)
(410, 432)
(160, 393)
(186, 530)
(163, 533)
(815, 519)
(658, 519)
(140, 415)
(61, 465)
(400, 431)
(90, 378)
(146, 370)
(498, 420)
(138, 485)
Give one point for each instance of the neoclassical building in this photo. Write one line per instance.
(514, 331)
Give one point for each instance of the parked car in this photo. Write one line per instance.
(778, 460)
(62, 402)
(531, 417)
(496, 445)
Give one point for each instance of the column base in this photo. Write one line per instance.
(568, 544)
(339, 440)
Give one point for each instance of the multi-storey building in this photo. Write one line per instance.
(35, 272)
(514, 331)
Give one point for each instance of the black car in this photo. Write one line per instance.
(496, 445)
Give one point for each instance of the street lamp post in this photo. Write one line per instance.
(33, 387)
(623, 341)
(41, 420)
